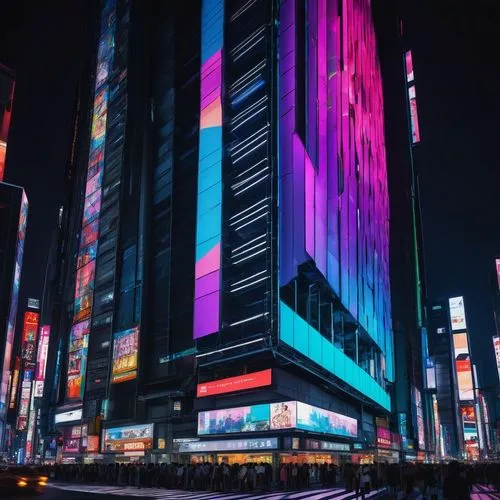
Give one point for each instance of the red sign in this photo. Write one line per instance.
(384, 438)
(30, 334)
(232, 384)
(92, 444)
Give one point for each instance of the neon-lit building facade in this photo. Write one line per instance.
(7, 84)
(13, 222)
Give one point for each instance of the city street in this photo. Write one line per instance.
(79, 491)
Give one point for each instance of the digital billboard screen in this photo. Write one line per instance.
(315, 419)
(496, 347)
(470, 430)
(420, 418)
(244, 419)
(257, 444)
(129, 438)
(30, 334)
(41, 360)
(384, 438)
(457, 313)
(276, 416)
(84, 283)
(15, 383)
(125, 352)
(463, 367)
(24, 405)
(232, 384)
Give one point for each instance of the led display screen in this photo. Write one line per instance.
(130, 438)
(415, 129)
(15, 383)
(92, 444)
(24, 405)
(470, 430)
(497, 266)
(244, 419)
(68, 416)
(457, 313)
(84, 283)
(89, 233)
(232, 384)
(315, 419)
(86, 254)
(30, 334)
(463, 367)
(41, 360)
(384, 439)
(11, 322)
(409, 67)
(3, 152)
(437, 425)
(229, 445)
(125, 349)
(420, 418)
(496, 346)
(276, 416)
(92, 207)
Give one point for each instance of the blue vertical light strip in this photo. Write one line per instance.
(209, 196)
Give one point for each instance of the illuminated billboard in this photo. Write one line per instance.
(384, 438)
(276, 416)
(85, 262)
(497, 266)
(15, 383)
(3, 153)
(257, 444)
(130, 438)
(41, 360)
(232, 384)
(16, 281)
(24, 405)
(463, 367)
(496, 346)
(420, 418)
(470, 430)
(30, 334)
(125, 349)
(457, 313)
(68, 416)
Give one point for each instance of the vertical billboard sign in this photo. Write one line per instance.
(15, 383)
(463, 367)
(496, 347)
(497, 266)
(412, 99)
(471, 437)
(420, 418)
(30, 334)
(125, 348)
(85, 263)
(41, 360)
(11, 324)
(457, 314)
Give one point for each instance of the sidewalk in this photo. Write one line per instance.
(312, 494)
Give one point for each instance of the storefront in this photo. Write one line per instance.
(131, 443)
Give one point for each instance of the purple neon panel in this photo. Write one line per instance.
(206, 315)
(345, 181)
(207, 284)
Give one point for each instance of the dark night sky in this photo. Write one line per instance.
(457, 71)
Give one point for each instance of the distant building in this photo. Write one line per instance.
(7, 82)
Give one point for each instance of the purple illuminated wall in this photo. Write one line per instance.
(334, 206)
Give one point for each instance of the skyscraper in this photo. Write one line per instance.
(13, 220)
(231, 220)
(7, 83)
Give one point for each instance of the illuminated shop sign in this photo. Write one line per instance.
(325, 445)
(230, 445)
(275, 416)
(129, 438)
(384, 438)
(15, 382)
(457, 313)
(232, 384)
(24, 405)
(92, 444)
(125, 349)
(30, 334)
(68, 416)
(463, 367)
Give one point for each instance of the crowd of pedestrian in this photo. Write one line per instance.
(403, 481)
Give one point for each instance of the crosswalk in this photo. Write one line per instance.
(484, 492)
(159, 493)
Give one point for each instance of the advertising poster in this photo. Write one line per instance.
(125, 352)
(384, 438)
(30, 334)
(496, 346)
(457, 314)
(471, 438)
(244, 419)
(130, 438)
(284, 415)
(315, 419)
(231, 384)
(15, 383)
(420, 418)
(84, 283)
(41, 360)
(463, 367)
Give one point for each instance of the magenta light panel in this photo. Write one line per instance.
(334, 206)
